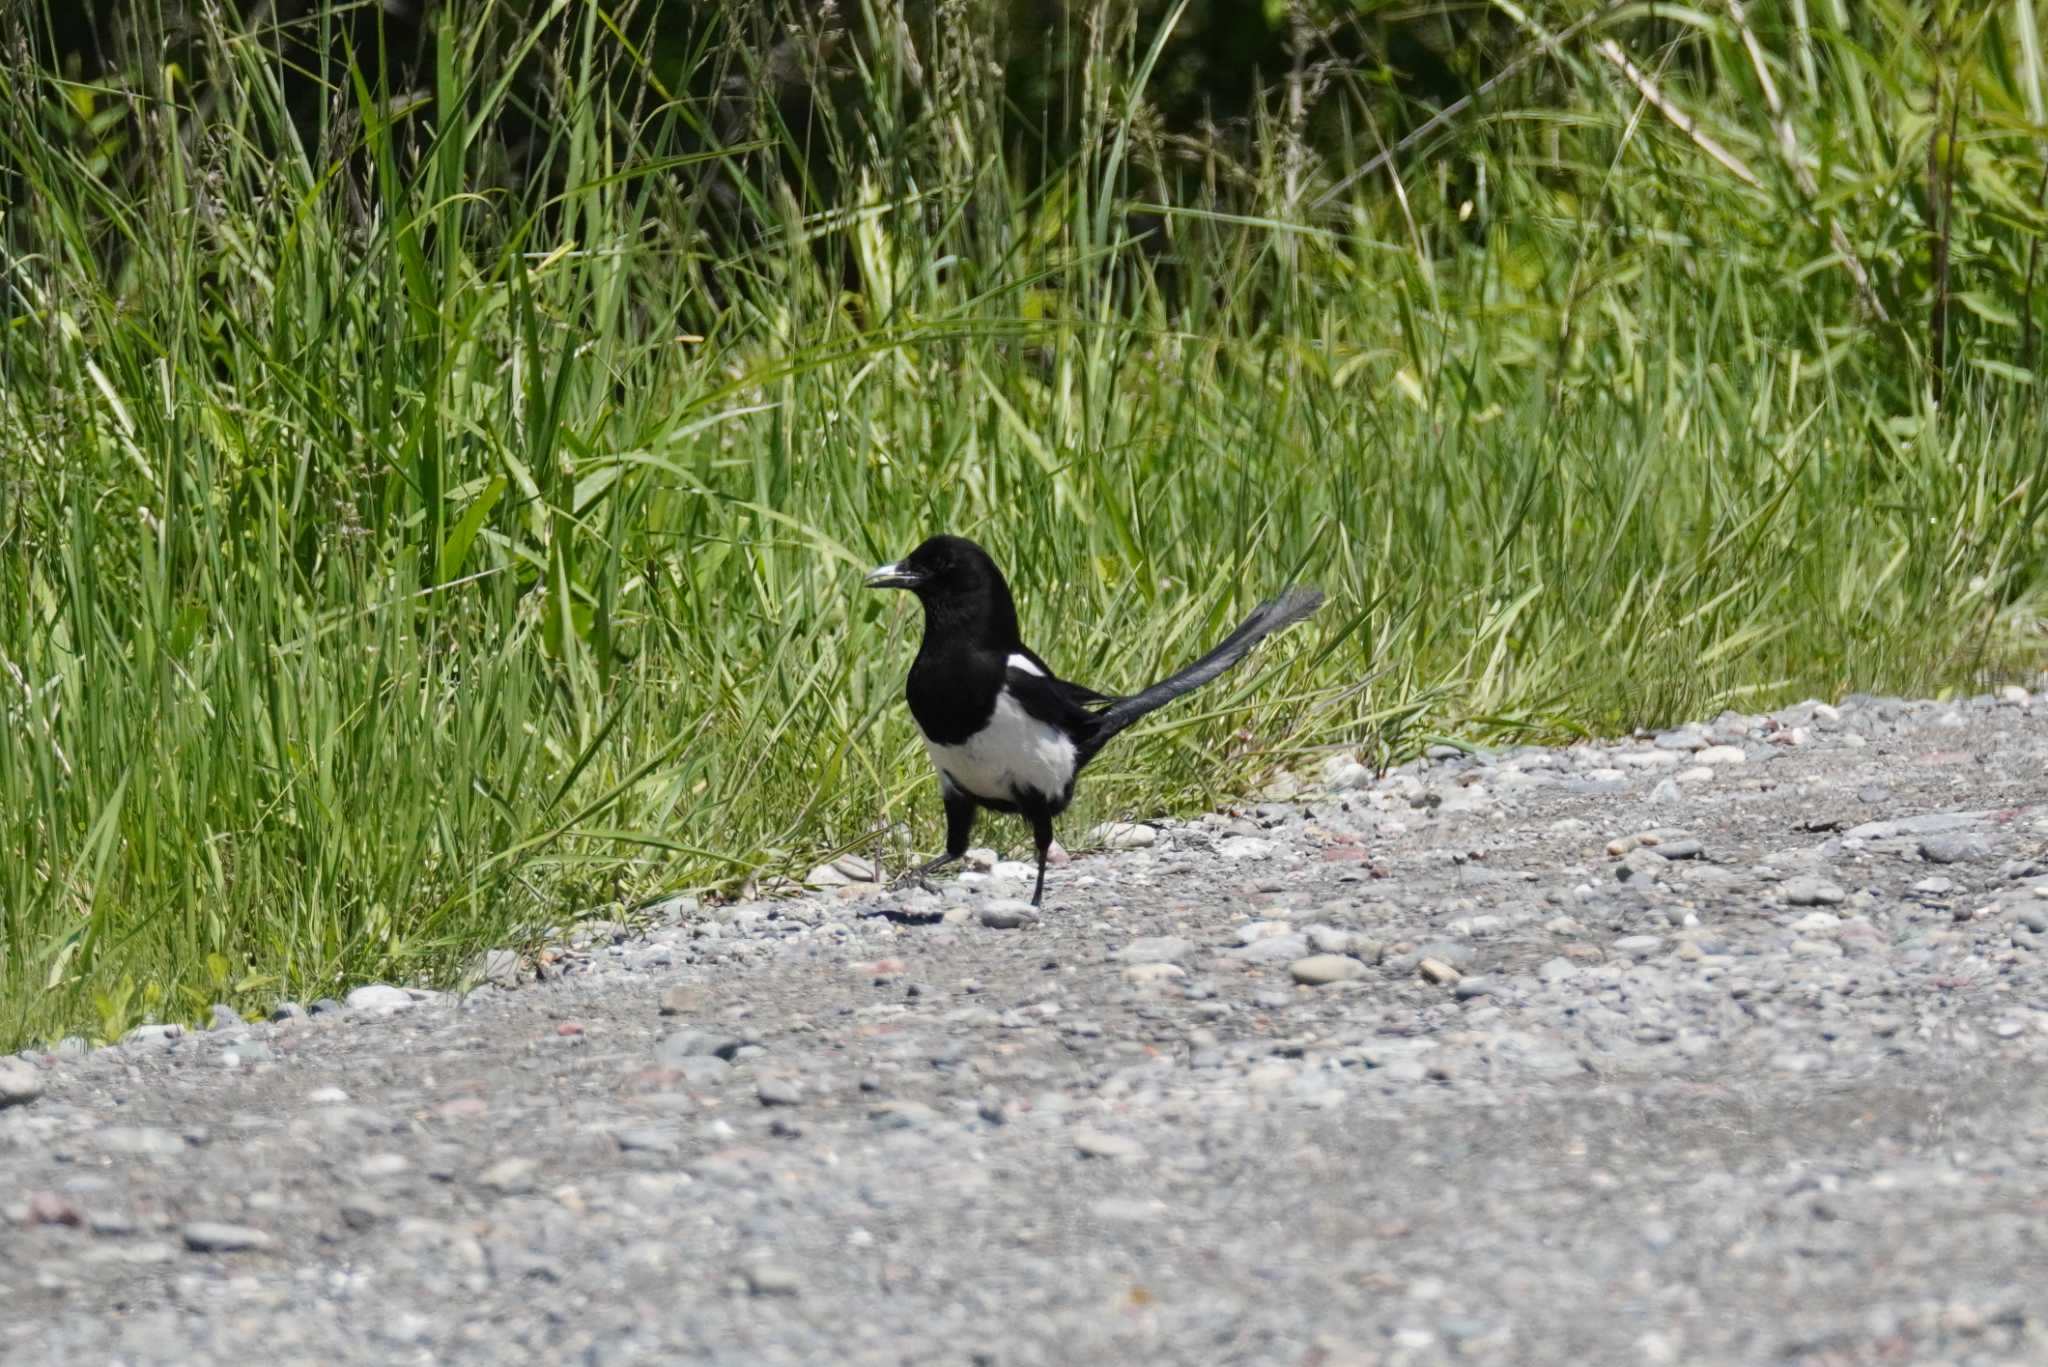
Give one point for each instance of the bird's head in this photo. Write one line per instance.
(944, 567)
(960, 587)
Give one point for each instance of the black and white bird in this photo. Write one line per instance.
(1003, 731)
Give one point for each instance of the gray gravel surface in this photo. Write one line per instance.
(1722, 1045)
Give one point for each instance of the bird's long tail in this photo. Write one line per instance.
(1268, 617)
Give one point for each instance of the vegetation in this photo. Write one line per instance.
(434, 504)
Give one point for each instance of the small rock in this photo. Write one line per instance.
(1244, 847)
(509, 1176)
(1640, 866)
(647, 1139)
(1319, 970)
(1720, 754)
(20, 1082)
(687, 1000)
(378, 1166)
(687, 1044)
(1935, 887)
(1954, 849)
(1008, 914)
(779, 1091)
(1557, 969)
(360, 1212)
(225, 1017)
(856, 869)
(1438, 972)
(1091, 1143)
(153, 1034)
(1153, 975)
(1638, 946)
(1124, 835)
(1468, 988)
(902, 1115)
(980, 859)
(1808, 891)
(139, 1141)
(48, 1208)
(1154, 949)
(381, 998)
(1342, 773)
(771, 1279)
(210, 1236)
(111, 1224)
(499, 967)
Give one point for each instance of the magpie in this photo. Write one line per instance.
(1003, 731)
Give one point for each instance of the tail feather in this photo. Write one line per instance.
(1268, 617)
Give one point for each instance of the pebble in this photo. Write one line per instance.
(1808, 891)
(1092, 1143)
(20, 1082)
(153, 1034)
(647, 1139)
(1008, 914)
(1319, 970)
(509, 1176)
(689, 1044)
(209, 1236)
(499, 967)
(1720, 754)
(380, 998)
(1640, 865)
(779, 1091)
(1155, 949)
(1124, 835)
(902, 1115)
(48, 1208)
(1343, 773)
(771, 1279)
(139, 1141)
(1954, 849)
(1436, 971)
(1638, 946)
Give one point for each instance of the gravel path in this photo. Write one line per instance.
(1725, 1045)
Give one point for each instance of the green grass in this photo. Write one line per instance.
(403, 556)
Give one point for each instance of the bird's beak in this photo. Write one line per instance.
(891, 577)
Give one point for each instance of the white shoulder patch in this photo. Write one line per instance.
(1023, 663)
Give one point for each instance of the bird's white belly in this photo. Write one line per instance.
(1014, 753)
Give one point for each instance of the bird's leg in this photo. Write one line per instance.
(959, 826)
(1041, 836)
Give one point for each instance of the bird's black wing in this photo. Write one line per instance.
(1054, 700)
(1081, 695)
